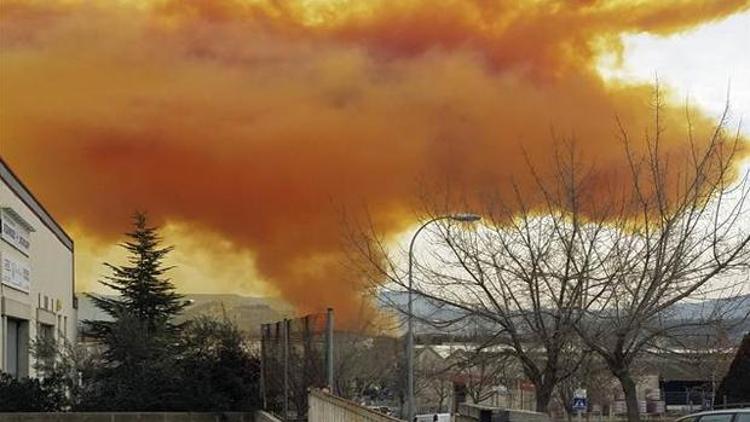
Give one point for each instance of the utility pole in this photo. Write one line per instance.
(286, 325)
(410, 401)
(264, 336)
(329, 349)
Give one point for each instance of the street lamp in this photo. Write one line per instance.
(462, 217)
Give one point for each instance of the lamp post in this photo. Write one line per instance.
(410, 404)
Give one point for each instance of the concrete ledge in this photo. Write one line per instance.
(131, 417)
(480, 413)
(44, 316)
(15, 309)
(326, 407)
(261, 416)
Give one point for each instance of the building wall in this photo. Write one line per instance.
(49, 259)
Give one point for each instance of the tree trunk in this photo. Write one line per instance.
(543, 397)
(631, 399)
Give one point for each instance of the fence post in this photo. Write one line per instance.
(263, 339)
(285, 327)
(329, 349)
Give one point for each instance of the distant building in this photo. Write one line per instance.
(37, 295)
(455, 373)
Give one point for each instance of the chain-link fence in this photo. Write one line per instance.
(296, 356)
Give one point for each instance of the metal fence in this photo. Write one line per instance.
(297, 355)
(690, 399)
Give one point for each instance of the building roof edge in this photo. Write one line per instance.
(25, 195)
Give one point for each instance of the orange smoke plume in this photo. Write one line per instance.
(250, 118)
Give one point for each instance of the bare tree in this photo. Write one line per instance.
(433, 381)
(505, 277)
(592, 376)
(591, 259)
(435, 386)
(675, 234)
(364, 363)
(483, 372)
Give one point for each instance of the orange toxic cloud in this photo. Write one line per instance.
(254, 121)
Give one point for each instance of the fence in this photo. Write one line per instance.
(297, 354)
(693, 399)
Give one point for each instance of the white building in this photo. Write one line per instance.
(37, 293)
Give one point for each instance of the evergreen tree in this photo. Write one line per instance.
(735, 386)
(140, 371)
(143, 291)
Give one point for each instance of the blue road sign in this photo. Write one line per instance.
(580, 404)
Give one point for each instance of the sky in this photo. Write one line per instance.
(703, 65)
(254, 131)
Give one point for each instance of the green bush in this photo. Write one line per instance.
(218, 371)
(27, 395)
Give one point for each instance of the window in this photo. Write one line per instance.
(743, 417)
(721, 417)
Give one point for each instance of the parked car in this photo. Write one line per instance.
(724, 415)
(438, 417)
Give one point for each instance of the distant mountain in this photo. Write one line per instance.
(248, 312)
(737, 307)
(432, 317)
(736, 310)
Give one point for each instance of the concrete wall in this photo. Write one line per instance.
(479, 413)
(262, 416)
(325, 407)
(132, 417)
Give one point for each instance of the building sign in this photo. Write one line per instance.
(15, 274)
(15, 231)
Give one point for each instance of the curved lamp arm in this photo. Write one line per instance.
(463, 217)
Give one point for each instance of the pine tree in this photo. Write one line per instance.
(143, 291)
(139, 369)
(735, 386)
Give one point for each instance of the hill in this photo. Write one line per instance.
(247, 311)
